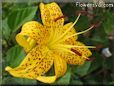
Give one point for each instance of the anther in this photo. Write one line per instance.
(97, 24)
(76, 52)
(90, 59)
(85, 13)
(59, 18)
(98, 47)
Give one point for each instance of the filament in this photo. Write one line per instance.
(76, 34)
(67, 29)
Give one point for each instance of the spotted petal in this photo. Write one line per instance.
(36, 63)
(81, 54)
(49, 13)
(31, 33)
(60, 66)
(47, 79)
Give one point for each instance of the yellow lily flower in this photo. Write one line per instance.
(48, 44)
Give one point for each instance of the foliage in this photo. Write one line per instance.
(98, 71)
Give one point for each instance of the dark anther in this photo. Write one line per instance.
(98, 47)
(90, 59)
(97, 24)
(85, 13)
(76, 52)
(59, 18)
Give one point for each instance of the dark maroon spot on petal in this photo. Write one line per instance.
(26, 64)
(76, 52)
(29, 75)
(36, 62)
(39, 58)
(28, 59)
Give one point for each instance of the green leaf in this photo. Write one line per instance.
(111, 83)
(6, 29)
(65, 79)
(99, 36)
(82, 69)
(18, 17)
(108, 63)
(108, 22)
(93, 79)
(96, 63)
(76, 82)
(82, 24)
(14, 56)
(18, 81)
(112, 75)
(98, 39)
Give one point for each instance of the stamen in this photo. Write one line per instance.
(85, 13)
(76, 52)
(98, 47)
(86, 58)
(70, 26)
(90, 59)
(77, 34)
(73, 46)
(97, 24)
(53, 32)
(79, 54)
(67, 30)
(85, 30)
(59, 18)
(65, 50)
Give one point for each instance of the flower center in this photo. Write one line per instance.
(57, 39)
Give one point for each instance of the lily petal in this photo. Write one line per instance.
(60, 69)
(73, 59)
(35, 31)
(77, 59)
(49, 13)
(36, 63)
(47, 79)
(84, 51)
(60, 66)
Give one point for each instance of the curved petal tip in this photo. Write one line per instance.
(8, 68)
(47, 79)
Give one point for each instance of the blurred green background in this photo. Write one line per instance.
(99, 70)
